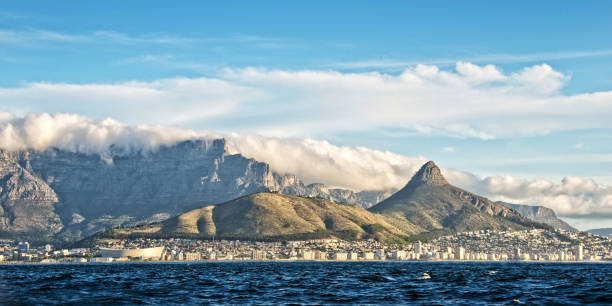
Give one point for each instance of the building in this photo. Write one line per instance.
(23, 247)
(380, 254)
(340, 256)
(580, 252)
(308, 255)
(147, 253)
(398, 255)
(460, 253)
(102, 259)
(258, 255)
(368, 256)
(193, 256)
(418, 247)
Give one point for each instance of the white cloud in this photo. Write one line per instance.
(478, 101)
(572, 197)
(448, 149)
(485, 58)
(312, 160)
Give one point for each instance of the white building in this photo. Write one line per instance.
(460, 253)
(102, 259)
(152, 253)
(340, 256)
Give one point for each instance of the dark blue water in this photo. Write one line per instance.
(308, 282)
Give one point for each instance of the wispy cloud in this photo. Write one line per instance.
(34, 37)
(38, 37)
(486, 58)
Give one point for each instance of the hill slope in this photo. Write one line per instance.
(540, 214)
(431, 203)
(275, 216)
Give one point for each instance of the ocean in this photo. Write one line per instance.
(308, 283)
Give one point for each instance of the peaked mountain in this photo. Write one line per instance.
(540, 214)
(271, 216)
(61, 195)
(430, 202)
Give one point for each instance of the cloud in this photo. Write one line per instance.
(572, 197)
(357, 168)
(477, 101)
(78, 133)
(36, 37)
(448, 149)
(486, 58)
(312, 160)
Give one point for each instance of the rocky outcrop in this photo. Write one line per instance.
(72, 195)
(27, 203)
(540, 214)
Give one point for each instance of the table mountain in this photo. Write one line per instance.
(430, 202)
(540, 214)
(604, 232)
(67, 195)
(271, 216)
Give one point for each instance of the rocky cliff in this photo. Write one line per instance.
(540, 214)
(55, 194)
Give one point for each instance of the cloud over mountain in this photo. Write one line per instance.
(313, 160)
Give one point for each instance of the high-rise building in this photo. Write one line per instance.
(380, 254)
(580, 253)
(460, 253)
(23, 247)
(418, 247)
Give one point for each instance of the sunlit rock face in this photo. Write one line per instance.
(71, 195)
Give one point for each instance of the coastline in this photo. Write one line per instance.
(303, 261)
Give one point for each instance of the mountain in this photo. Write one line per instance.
(272, 216)
(430, 202)
(540, 214)
(61, 195)
(605, 232)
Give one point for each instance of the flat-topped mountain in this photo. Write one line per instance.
(62, 195)
(274, 216)
(604, 232)
(540, 214)
(430, 202)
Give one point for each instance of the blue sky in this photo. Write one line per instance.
(117, 43)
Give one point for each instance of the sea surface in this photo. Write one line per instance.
(308, 282)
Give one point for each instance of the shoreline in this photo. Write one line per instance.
(313, 261)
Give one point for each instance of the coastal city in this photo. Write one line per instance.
(529, 245)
